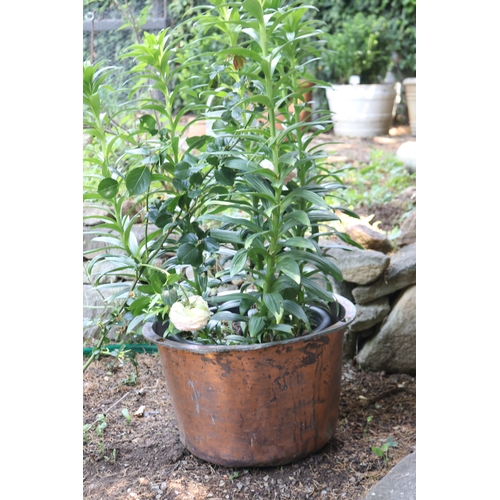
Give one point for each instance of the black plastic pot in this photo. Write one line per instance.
(318, 316)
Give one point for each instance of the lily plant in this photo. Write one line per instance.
(244, 206)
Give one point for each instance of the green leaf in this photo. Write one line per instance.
(295, 310)
(227, 236)
(255, 325)
(228, 316)
(289, 267)
(149, 123)
(210, 244)
(182, 170)
(299, 216)
(274, 302)
(108, 188)
(324, 264)
(238, 262)
(138, 180)
(189, 238)
(225, 176)
(188, 253)
(197, 142)
(305, 194)
(298, 242)
(314, 290)
(255, 9)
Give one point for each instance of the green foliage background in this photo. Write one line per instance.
(401, 15)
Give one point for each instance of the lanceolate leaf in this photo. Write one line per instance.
(306, 194)
(290, 268)
(324, 264)
(298, 216)
(255, 325)
(297, 311)
(298, 242)
(238, 262)
(274, 302)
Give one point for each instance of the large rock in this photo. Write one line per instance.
(369, 238)
(91, 214)
(393, 348)
(408, 230)
(370, 314)
(92, 248)
(97, 304)
(401, 273)
(90, 276)
(359, 266)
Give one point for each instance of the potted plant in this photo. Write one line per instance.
(358, 59)
(253, 372)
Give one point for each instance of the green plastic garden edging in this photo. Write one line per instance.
(140, 348)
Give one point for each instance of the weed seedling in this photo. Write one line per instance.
(383, 451)
(127, 416)
(99, 430)
(368, 420)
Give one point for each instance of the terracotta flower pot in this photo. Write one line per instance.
(256, 405)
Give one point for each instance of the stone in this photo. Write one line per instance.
(93, 248)
(131, 208)
(369, 238)
(89, 278)
(97, 304)
(401, 273)
(350, 345)
(407, 153)
(408, 230)
(400, 483)
(370, 314)
(91, 214)
(358, 266)
(393, 348)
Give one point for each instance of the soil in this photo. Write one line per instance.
(145, 459)
(142, 456)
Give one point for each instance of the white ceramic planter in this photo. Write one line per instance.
(410, 85)
(361, 110)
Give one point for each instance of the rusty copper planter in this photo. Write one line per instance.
(256, 405)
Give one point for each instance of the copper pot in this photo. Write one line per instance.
(256, 405)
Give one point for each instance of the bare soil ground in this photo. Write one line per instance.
(142, 457)
(145, 459)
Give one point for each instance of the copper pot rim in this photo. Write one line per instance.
(350, 314)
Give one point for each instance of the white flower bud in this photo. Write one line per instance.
(191, 317)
